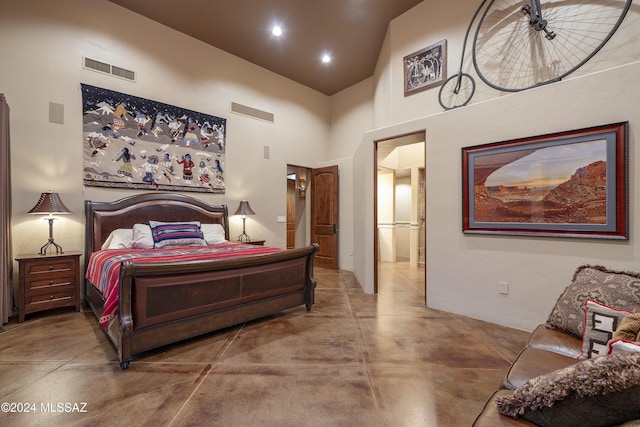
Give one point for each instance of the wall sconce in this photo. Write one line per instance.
(50, 203)
(302, 188)
(244, 209)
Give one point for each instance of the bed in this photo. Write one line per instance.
(160, 303)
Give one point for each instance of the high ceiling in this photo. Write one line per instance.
(351, 31)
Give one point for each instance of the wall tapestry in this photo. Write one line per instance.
(136, 143)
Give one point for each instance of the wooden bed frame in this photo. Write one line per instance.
(160, 304)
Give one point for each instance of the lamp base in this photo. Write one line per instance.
(50, 242)
(48, 245)
(244, 237)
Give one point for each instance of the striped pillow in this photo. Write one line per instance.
(172, 234)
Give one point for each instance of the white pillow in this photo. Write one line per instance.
(142, 237)
(121, 238)
(213, 233)
(619, 345)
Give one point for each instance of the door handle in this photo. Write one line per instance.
(334, 229)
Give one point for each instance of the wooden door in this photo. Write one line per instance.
(291, 214)
(324, 215)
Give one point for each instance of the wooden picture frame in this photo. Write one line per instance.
(425, 68)
(567, 184)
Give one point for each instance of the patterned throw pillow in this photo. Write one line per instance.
(613, 288)
(172, 234)
(600, 322)
(594, 392)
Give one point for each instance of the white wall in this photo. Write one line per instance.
(386, 216)
(463, 271)
(41, 49)
(42, 44)
(404, 209)
(351, 116)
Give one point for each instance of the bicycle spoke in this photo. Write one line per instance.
(456, 91)
(511, 54)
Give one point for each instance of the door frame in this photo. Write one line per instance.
(376, 241)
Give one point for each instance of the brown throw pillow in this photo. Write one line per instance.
(595, 392)
(629, 328)
(613, 288)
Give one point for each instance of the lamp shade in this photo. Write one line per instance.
(244, 209)
(49, 203)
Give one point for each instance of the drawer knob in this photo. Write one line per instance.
(51, 282)
(50, 296)
(50, 267)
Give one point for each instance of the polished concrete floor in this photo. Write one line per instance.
(354, 360)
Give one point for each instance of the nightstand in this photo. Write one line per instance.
(254, 242)
(48, 281)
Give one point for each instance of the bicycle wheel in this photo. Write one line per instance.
(511, 54)
(456, 91)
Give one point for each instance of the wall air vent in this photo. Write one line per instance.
(252, 112)
(113, 70)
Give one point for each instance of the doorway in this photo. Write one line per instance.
(399, 208)
(312, 211)
(297, 206)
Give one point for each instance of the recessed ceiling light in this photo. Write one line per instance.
(276, 31)
(326, 58)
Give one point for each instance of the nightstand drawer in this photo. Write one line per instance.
(45, 266)
(37, 286)
(55, 295)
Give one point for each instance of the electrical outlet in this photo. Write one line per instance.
(504, 288)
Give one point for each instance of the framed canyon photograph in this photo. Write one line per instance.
(567, 184)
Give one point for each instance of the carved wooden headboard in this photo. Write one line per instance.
(104, 217)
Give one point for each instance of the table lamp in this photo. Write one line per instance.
(50, 203)
(244, 209)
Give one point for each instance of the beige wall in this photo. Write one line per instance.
(463, 271)
(41, 48)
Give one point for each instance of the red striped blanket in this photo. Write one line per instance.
(103, 270)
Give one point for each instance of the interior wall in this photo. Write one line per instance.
(42, 44)
(428, 23)
(404, 205)
(351, 116)
(463, 271)
(386, 216)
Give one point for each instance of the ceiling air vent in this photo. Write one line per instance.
(113, 70)
(245, 110)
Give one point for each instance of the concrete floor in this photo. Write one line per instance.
(354, 360)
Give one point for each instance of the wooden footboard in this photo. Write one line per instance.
(161, 304)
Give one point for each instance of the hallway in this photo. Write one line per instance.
(354, 360)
